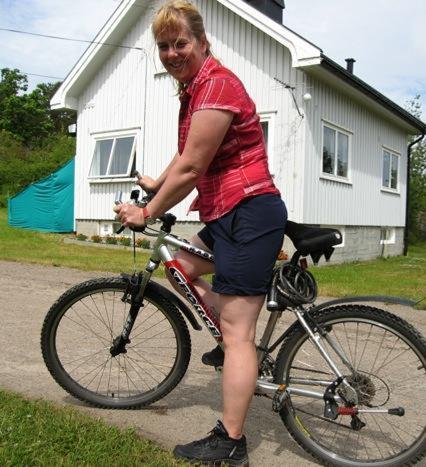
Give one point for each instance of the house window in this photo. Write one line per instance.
(113, 157)
(267, 124)
(335, 152)
(390, 174)
(387, 236)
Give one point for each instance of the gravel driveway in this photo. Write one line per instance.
(189, 411)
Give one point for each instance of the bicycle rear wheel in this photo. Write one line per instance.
(78, 333)
(388, 358)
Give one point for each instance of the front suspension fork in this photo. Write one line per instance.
(136, 285)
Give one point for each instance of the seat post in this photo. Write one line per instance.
(295, 258)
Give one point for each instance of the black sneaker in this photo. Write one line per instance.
(214, 358)
(215, 449)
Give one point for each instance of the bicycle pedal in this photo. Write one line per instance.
(279, 398)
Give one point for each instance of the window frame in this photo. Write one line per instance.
(337, 129)
(114, 136)
(269, 118)
(389, 239)
(396, 154)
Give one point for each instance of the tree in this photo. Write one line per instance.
(33, 138)
(12, 83)
(417, 194)
(28, 115)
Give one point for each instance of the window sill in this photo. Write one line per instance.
(332, 178)
(390, 191)
(112, 180)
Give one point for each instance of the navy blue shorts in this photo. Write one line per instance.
(245, 243)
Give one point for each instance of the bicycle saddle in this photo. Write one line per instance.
(314, 241)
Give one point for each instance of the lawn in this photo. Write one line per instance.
(39, 433)
(403, 276)
(46, 248)
(397, 276)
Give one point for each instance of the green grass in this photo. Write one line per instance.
(38, 433)
(45, 248)
(397, 276)
(403, 276)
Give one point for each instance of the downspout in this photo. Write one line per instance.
(407, 202)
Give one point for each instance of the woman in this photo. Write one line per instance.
(221, 152)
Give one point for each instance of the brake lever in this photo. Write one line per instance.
(146, 199)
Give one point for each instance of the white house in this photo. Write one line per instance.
(337, 147)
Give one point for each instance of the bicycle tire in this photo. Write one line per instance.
(77, 334)
(399, 353)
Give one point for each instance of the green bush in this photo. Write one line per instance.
(125, 241)
(81, 237)
(143, 243)
(110, 240)
(96, 239)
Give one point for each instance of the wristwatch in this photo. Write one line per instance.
(149, 220)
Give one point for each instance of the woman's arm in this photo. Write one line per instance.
(206, 133)
(149, 184)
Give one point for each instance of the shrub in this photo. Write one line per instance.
(125, 241)
(110, 240)
(96, 239)
(143, 243)
(81, 237)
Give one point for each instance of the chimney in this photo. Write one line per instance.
(271, 8)
(350, 65)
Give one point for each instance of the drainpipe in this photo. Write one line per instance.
(407, 202)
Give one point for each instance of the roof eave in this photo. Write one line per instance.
(369, 91)
(302, 51)
(66, 96)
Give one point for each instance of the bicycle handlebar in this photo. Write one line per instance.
(168, 220)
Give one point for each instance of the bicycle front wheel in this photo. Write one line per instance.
(387, 370)
(79, 331)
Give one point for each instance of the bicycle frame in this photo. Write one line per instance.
(162, 254)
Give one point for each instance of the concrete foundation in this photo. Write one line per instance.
(360, 243)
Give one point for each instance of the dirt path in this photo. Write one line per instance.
(27, 292)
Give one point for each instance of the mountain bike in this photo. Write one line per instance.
(348, 380)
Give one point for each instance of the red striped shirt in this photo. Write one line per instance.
(240, 167)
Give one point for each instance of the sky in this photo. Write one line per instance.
(385, 37)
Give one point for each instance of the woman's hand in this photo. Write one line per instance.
(130, 215)
(147, 184)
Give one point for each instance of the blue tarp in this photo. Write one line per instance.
(46, 205)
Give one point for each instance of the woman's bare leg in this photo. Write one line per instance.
(195, 266)
(238, 318)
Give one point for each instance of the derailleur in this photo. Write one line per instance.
(332, 410)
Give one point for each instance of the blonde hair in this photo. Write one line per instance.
(170, 17)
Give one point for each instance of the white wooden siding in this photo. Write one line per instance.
(115, 100)
(128, 91)
(361, 202)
